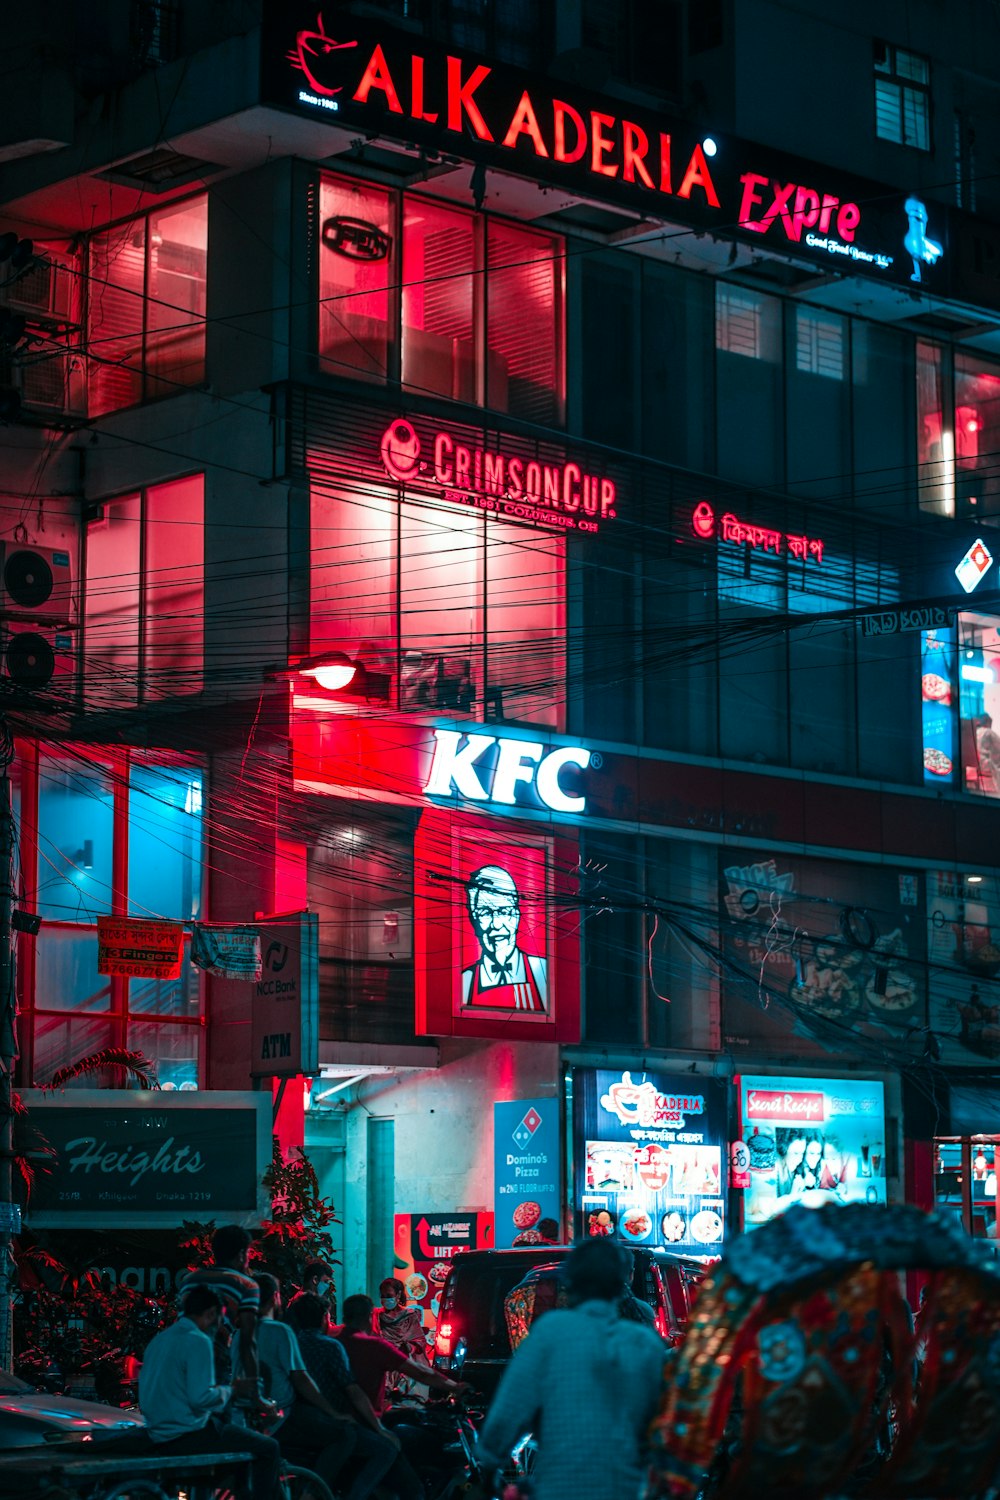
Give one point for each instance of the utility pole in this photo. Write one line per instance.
(10, 1213)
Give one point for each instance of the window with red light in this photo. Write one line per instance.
(113, 834)
(146, 306)
(468, 308)
(935, 431)
(357, 277)
(450, 609)
(977, 437)
(144, 596)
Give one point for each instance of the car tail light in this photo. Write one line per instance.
(662, 1326)
(443, 1339)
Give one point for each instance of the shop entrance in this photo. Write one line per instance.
(965, 1182)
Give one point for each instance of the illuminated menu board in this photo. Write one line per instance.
(939, 704)
(649, 1155)
(811, 1140)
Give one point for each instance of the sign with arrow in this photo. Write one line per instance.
(425, 1244)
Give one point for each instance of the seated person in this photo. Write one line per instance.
(373, 1358)
(184, 1406)
(304, 1418)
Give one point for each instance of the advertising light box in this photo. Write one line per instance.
(811, 1140)
(649, 1159)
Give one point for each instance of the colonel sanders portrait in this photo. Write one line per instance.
(504, 977)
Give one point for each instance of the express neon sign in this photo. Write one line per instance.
(516, 771)
(556, 494)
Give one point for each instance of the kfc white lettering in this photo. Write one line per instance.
(456, 768)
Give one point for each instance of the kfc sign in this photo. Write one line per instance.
(489, 768)
(552, 494)
(643, 1104)
(767, 1104)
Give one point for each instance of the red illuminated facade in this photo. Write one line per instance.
(583, 440)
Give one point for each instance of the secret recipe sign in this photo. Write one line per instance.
(126, 1159)
(370, 77)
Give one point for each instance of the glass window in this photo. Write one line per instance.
(523, 323)
(441, 606)
(176, 281)
(476, 620)
(819, 343)
(525, 623)
(66, 976)
(977, 437)
(979, 703)
(902, 97)
(75, 823)
(474, 314)
(439, 300)
(172, 1049)
(164, 841)
(883, 418)
(817, 403)
(146, 306)
(174, 588)
(360, 882)
(145, 563)
(63, 1040)
(111, 604)
(748, 385)
(935, 432)
(85, 872)
(356, 277)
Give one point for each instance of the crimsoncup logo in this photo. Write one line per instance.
(765, 1104)
(309, 52)
(525, 489)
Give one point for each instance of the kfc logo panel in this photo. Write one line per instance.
(504, 948)
(496, 930)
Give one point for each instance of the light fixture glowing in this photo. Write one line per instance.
(976, 674)
(974, 879)
(709, 146)
(333, 671)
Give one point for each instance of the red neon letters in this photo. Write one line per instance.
(612, 147)
(731, 529)
(807, 210)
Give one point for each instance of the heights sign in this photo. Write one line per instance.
(401, 86)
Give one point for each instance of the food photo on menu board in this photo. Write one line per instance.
(811, 1140)
(648, 1159)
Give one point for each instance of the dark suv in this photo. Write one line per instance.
(472, 1338)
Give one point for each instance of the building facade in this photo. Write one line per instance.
(522, 482)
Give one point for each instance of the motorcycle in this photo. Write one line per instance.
(439, 1439)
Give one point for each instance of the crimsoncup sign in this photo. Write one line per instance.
(767, 1104)
(563, 494)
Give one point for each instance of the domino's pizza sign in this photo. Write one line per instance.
(526, 1196)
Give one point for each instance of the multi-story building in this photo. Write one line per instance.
(512, 463)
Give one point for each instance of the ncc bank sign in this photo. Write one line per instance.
(495, 770)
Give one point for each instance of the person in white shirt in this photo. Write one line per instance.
(586, 1383)
(306, 1418)
(183, 1405)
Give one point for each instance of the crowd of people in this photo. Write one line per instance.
(239, 1372)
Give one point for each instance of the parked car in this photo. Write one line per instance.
(29, 1417)
(472, 1337)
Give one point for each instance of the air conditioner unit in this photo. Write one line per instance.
(46, 290)
(39, 657)
(36, 584)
